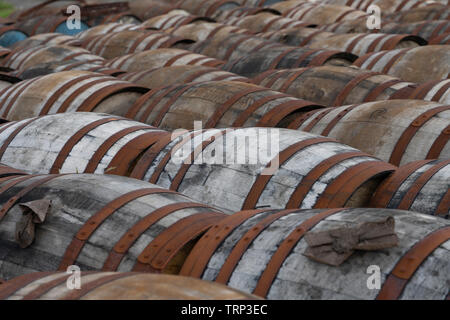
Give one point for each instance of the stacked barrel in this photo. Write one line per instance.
(159, 144)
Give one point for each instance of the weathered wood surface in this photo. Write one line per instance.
(159, 58)
(333, 85)
(23, 58)
(146, 9)
(162, 77)
(386, 6)
(207, 7)
(425, 29)
(418, 64)
(76, 201)
(105, 29)
(435, 90)
(249, 256)
(309, 169)
(173, 19)
(121, 43)
(201, 31)
(421, 186)
(284, 57)
(92, 152)
(47, 39)
(119, 286)
(398, 131)
(217, 104)
(68, 91)
(433, 11)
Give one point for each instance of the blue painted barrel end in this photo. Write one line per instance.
(64, 29)
(8, 38)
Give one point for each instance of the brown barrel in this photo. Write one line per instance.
(386, 6)
(442, 39)
(23, 58)
(421, 186)
(122, 17)
(48, 39)
(360, 44)
(42, 24)
(262, 252)
(217, 104)
(265, 22)
(202, 31)
(6, 171)
(433, 11)
(318, 13)
(50, 8)
(283, 57)
(436, 90)
(232, 46)
(173, 19)
(121, 43)
(207, 7)
(304, 171)
(410, 64)
(146, 9)
(117, 286)
(299, 37)
(68, 91)
(398, 131)
(99, 222)
(6, 80)
(358, 25)
(104, 29)
(334, 86)
(242, 11)
(177, 75)
(425, 29)
(160, 58)
(45, 68)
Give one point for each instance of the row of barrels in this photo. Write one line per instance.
(305, 171)
(111, 223)
(227, 103)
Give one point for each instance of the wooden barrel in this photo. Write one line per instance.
(81, 142)
(117, 286)
(434, 11)
(173, 19)
(259, 3)
(4, 52)
(68, 91)
(177, 75)
(437, 90)
(398, 131)
(99, 222)
(49, 23)
(47, 39)
(232, 46)
(219, 104)
(425, 29)
(202, 31)
(442, 39)
(104, 29)
(297, 37)
(332, 85)
(122, 17)
(207, 7)
(49, 8)
(282, 58)
(146, 9)
(386, 6)
(360, 44)
(319, 13)
(241, 11)
(297, 170)
(262, 252)
(9, 35)
(23, 58)
(6, 80)
(358, 25)
(7, 171)
(421, 186)
(43, 69)
(410, 64)
(121, 43)
(264, 22)
(160, 58)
